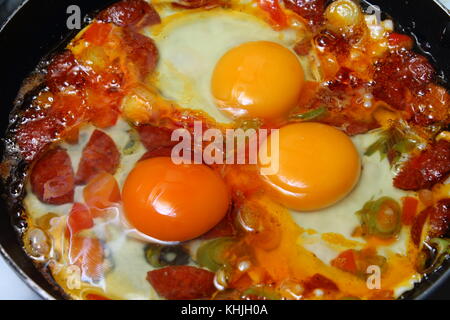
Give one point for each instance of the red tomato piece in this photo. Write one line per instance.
(97, 33)
(52, 178)
(87, 253)
(182, 282)
(101, 192)
(94, 296)
(399, 40)
(99, 155)
(276, 14)
(417, 226)
(80, 218)
(345, 261)
(410, 205)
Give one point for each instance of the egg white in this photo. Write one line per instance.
(191, 44)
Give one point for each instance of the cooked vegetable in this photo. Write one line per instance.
(132, 144)
(80, 218)
(357, 262)
(261, 293)
(410, 205)
(211, 254)
(342, 14)
(345, 261)
(381, 218)
(310, 115)
(393, 143)
(161, 256)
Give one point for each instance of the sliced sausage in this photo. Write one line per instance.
(99, 155)
(182, 282)
(426, 169)
(52, 177)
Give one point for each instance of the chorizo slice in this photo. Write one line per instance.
(195, 4)
(130, 13)
(182, 282)
(440, 219)
(141, 52)
(99, 155)
(64, 70)
(399, 73)
(52, 178)
(426, 169)
(311, 10)
(154, 138)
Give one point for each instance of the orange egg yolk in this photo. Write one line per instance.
(318, 166)
(258, 79)
(171, 202)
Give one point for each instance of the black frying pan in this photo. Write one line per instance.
(38, 28)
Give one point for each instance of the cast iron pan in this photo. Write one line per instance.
(38, 28)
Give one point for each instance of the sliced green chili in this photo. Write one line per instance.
(381, 217)
(160, 256)
(262, 292)
(210, 254)
(310, 115)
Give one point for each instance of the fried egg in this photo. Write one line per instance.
(197, 59)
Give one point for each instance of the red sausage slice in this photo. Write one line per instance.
(99, 155)
(311, 10)
(52, 178)
(135, 13)
(141, 51)
(154, 138)
(426, 169)
(182, 282)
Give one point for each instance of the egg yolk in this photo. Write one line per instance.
(171, 202)
(318, 166)
(258, 79)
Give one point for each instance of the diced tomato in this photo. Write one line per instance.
(276, 14)
(182, 282)
(101, 192)
(409, 210)
(97, 33)
(80, 218)
(417, 227)
(345, 261)
(87, 253)
(93, 296)
(400, 40)
(319, 281)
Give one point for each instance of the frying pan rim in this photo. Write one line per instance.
(433, 286)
